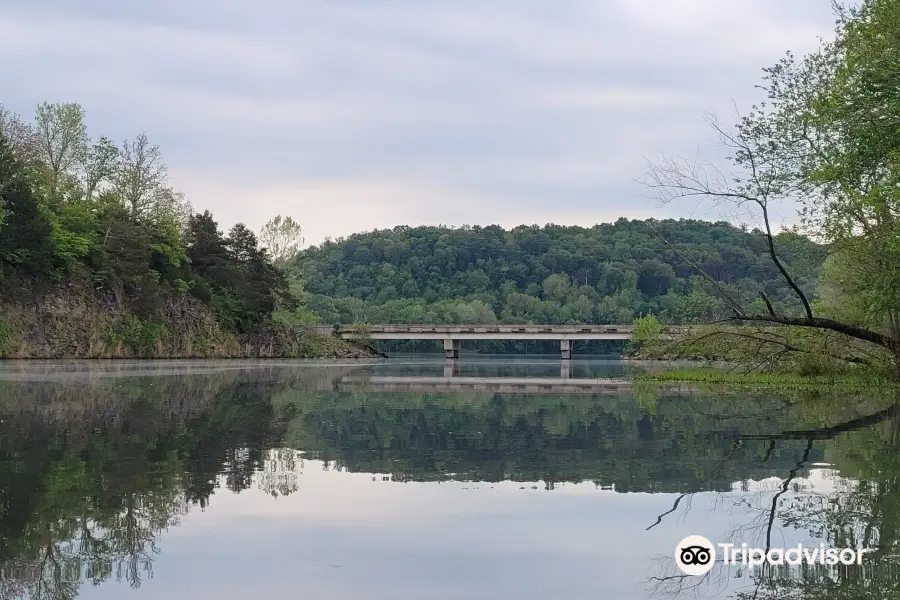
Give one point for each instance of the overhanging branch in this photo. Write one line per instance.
(859, 333)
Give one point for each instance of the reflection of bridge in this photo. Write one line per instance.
(452, 335)
(494, 385)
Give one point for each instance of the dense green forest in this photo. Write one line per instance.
(609, 273)
(97, 228)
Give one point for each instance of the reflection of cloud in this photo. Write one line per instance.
(326, 494)
(352, 116)
(343, 534)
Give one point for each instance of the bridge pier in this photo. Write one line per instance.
(451, 349)
(565, 370)
(565, 349)
(451, 368)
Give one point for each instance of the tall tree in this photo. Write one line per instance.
(25, 229)
(62, 138)
(206, 246)
(282, 237)
(99, 166)
(140, 178)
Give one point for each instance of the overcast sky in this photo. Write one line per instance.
(359, 114)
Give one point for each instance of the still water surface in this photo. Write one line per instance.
(403, 480)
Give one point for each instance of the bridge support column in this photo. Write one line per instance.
(451, 348)
(565, 370)
(565, 349)
(451, 368)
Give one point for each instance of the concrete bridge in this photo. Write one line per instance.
(453, 335)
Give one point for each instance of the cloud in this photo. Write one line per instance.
(359, 115)
(617, 98)
(336, 208)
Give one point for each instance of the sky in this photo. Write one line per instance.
(360, 115)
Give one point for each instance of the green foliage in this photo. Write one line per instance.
(237, 276)
(857, 381)
(139, 335)
(7, 337)
(282, 238)
(74, 233)
(26, 242)
(646, 332)
(610, 273)
(646, 328)
(300, 316)
(606, 274)
(75, 210)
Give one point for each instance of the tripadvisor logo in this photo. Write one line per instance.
(696, 555)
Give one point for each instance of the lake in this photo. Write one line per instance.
(400, 479)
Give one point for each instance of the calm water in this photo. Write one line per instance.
(403, 480)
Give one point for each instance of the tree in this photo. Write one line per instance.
(62, 140)
(207, 249)
(582, 309)
(20, 135)
(25, 229)
(282, 237)
(826, 138)
(139, 179)
(234, 274)
(99, 166)
(557, 287)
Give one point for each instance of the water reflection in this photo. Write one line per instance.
(198, 477)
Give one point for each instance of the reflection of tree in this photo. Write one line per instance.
(861, 510)
(279, 475)
(676, 444)
(91, 475)
(864, 513)
(55, 557)
(89, 479)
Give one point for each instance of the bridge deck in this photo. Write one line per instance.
(452, 335)
(486, 332)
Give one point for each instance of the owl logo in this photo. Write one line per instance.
(695, 555)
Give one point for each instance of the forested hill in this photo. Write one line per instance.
(609, 273)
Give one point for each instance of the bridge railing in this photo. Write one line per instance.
(322, 329)
(493, 328)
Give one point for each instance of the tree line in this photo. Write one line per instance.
(609, 273)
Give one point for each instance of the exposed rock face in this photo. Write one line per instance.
(77, 321)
